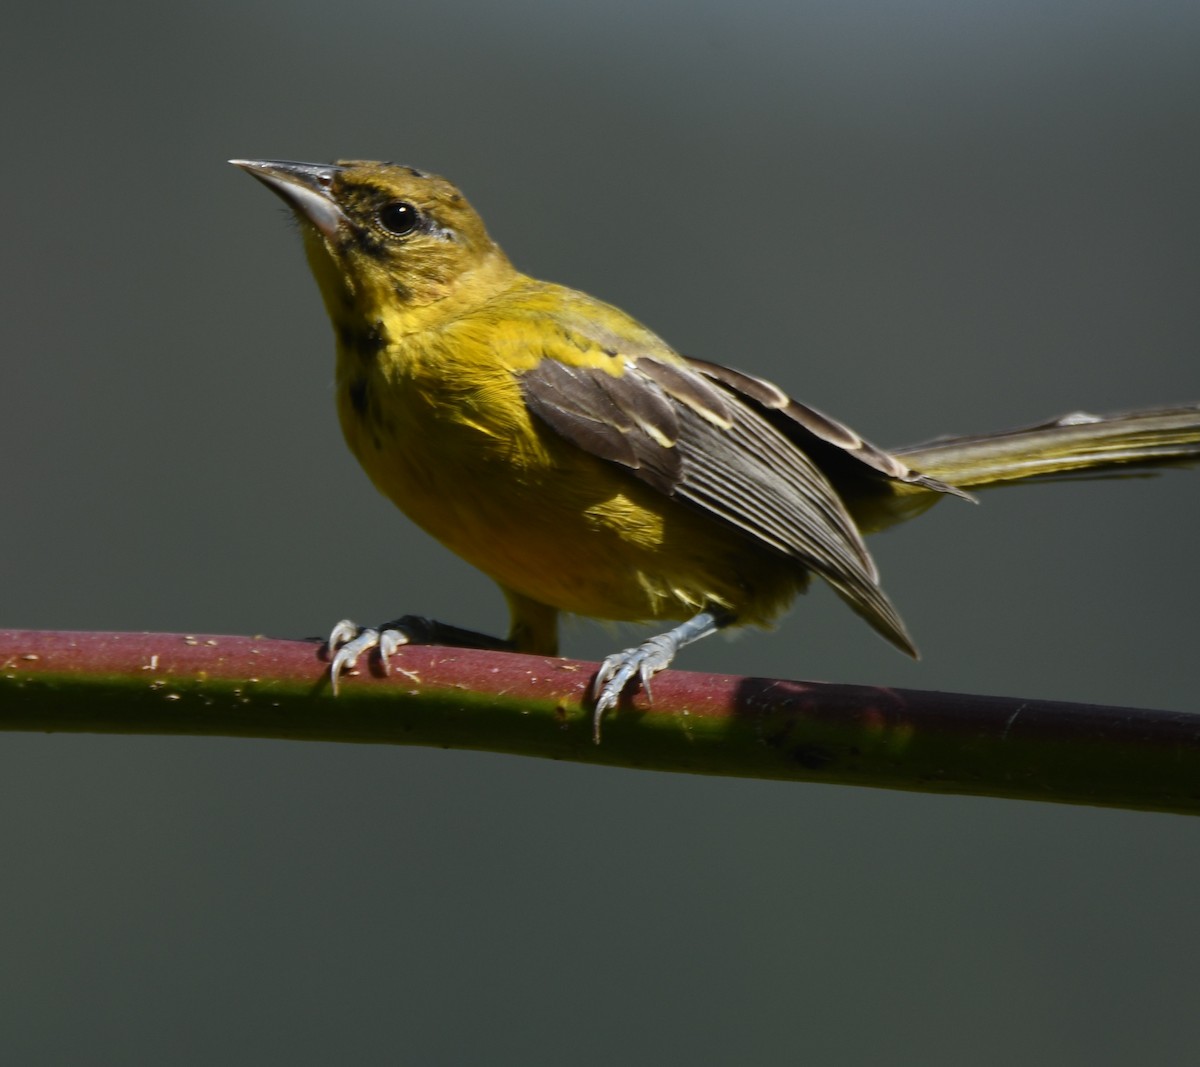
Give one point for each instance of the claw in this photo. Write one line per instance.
(645, 661)
(348, 641)
(390, 639)
(618, 671)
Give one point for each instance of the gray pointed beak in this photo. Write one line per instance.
(304, 187)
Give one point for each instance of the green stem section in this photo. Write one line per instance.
(701, 724)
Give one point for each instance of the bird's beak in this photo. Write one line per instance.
(304, 187)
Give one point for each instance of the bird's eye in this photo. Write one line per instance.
(399, 217)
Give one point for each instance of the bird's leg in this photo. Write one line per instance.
(646, 660)
(347, 641)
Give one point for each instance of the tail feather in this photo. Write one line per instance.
(1075, 445)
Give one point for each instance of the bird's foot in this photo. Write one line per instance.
(618, 671)
(347, 641)
(645, 660)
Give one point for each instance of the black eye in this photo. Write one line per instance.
(399, 217)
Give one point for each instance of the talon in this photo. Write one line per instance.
(346, 658)
(347, 641)
(344, 631)
(645, 661)
(645, 674)
(618, 670)
(387, 642)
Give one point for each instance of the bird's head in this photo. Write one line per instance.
(381, 235)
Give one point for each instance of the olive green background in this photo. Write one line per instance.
(920, 217)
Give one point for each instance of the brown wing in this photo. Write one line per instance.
(711, 448)
(833, 445)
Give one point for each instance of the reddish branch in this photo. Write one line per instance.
(700, 723)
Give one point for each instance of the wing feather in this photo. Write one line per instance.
(826, 438)
(608, 417)
(694, 437)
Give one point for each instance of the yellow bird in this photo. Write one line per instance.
(571, 454)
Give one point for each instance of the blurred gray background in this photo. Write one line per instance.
(921, 217)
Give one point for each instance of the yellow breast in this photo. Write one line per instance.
(439, 424)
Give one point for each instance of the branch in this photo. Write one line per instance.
(697, 723)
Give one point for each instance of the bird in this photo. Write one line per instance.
(568, 452)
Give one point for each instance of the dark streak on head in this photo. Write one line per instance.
(367, 241)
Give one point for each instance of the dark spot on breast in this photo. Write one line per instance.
(373, 339)
(360, 397)
(609, 352)
(365, 340)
